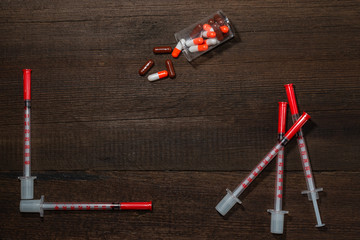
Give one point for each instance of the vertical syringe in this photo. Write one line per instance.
(312, 192)
(277, 214)
(27, 181)
(230, 198)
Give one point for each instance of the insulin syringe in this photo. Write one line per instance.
(277, 214)
(312, 192)
(231, 198)
(27, 181)
(28, 203)
(38, 205)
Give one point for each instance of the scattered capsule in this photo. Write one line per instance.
(195, 41)
(198, 48)
(207, 34)
(219, 19)
(219, 34)
(170, 68)
(144, 69)
(207, 27)
(196, 31)
(178, 48)
(211, 21)
(211, 41)
(163, 49)
(157, 76)
(224, 29)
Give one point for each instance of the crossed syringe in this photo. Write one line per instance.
(277, 214)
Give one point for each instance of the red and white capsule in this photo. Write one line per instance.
(195, 41)
(208, 34)
(158, 75)
(177, 50)
(198, 48)
(211, 41)
(208, 28)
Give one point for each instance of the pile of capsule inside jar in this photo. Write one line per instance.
(204, 35)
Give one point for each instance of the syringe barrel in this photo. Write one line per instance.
(27, 129)
(94, 206)
(257, 170)
(39, 206)
(27, 143)
(305, 162)
(280, 158)
(279, 180)
(277, 214)
(80, 206)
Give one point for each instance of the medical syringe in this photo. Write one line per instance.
(27, 181)
(38, 205)
(232, 198)
(30, 205)
(277, 214)
(312, 192)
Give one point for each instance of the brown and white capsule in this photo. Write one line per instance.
(170, 68)
(147, 66)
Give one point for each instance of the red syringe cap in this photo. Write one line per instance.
(136, 206)
(282, 117)
(27, 84)
(297, 125)
(291, 98)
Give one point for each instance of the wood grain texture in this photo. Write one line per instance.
(192, 143)
(100, 128)
(184, 206)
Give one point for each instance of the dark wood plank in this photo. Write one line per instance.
(194, 143)
(183, 206)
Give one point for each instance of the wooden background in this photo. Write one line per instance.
(100, 132)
